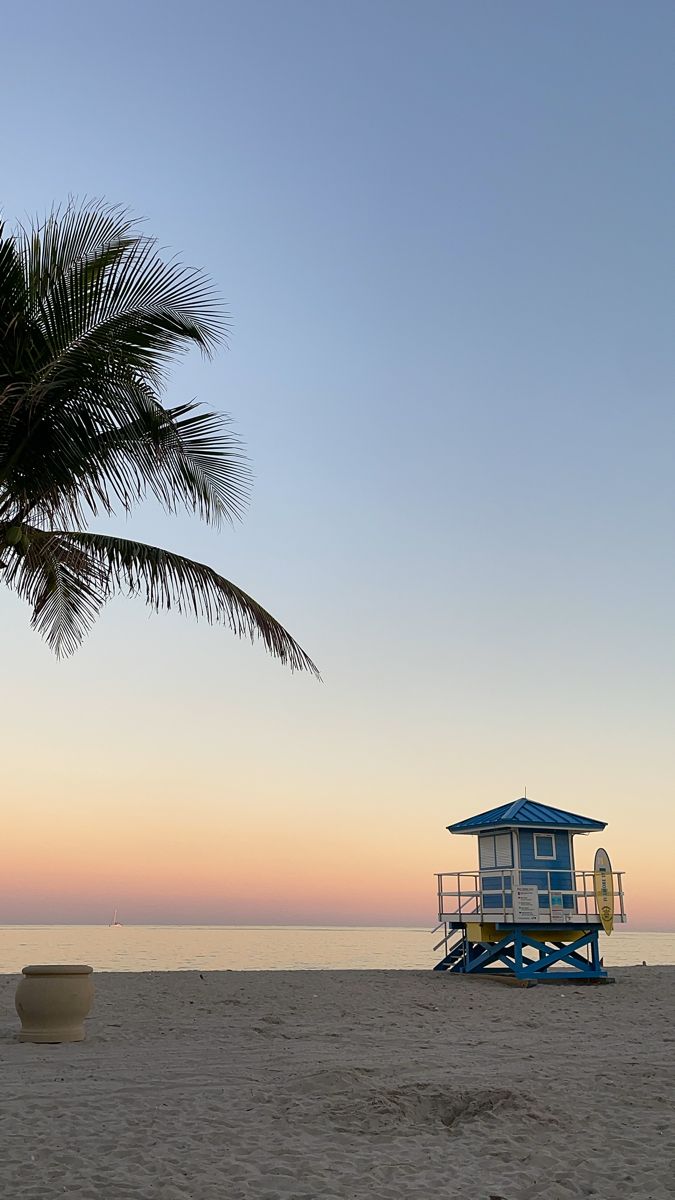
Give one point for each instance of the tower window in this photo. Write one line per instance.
(495, 850)
(544, 845)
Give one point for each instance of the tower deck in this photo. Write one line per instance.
(515, 896)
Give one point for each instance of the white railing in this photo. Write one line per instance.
(511, 894)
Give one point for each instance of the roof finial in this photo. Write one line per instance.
(525, 797)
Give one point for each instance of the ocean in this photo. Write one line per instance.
(263, 948)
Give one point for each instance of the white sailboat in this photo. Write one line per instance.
(114, 920)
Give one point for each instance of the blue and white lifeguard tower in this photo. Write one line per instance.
(527, 911)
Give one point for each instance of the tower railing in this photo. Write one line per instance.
(524, 895)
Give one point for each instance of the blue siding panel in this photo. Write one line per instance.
(527, 856)
(490, 901)
(562, 879)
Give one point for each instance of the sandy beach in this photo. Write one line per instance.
(346, 1085)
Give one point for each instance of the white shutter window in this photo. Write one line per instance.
(486, 851)
(503, 850)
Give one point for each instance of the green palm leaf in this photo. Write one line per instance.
(68, 576)
(62, 583)
(90, 316)
(67, 237)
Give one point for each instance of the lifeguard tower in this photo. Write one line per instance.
(527, 911)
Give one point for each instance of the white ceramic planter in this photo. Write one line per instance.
(52, 1002)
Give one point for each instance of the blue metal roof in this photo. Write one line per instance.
(526, 812)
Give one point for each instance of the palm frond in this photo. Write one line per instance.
(126, 301)
(90, 315)
(68, 576)
(62, 583)
(201, 461)
(96, 453)
(68, 236)
(13, 293)
(13, 324)
(184, 456)
(104, 313)
(168, 580)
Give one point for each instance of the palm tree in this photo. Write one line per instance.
(90, 316)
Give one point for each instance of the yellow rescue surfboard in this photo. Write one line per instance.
(603, 882)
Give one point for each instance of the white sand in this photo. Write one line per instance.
(346, 1084)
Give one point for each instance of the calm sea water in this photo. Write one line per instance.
(261, 948)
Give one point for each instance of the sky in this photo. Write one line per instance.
(444, 235)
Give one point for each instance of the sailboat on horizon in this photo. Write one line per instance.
(114, 920)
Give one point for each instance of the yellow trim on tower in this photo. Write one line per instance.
(477, 932)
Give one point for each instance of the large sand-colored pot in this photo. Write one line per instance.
(52, 1002)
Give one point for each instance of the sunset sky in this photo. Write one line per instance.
(444, 235)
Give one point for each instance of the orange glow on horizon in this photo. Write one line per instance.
(228, 870)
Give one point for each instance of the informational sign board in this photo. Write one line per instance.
(525, 902)
(603, 883)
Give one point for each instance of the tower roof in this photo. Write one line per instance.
(525, 812)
